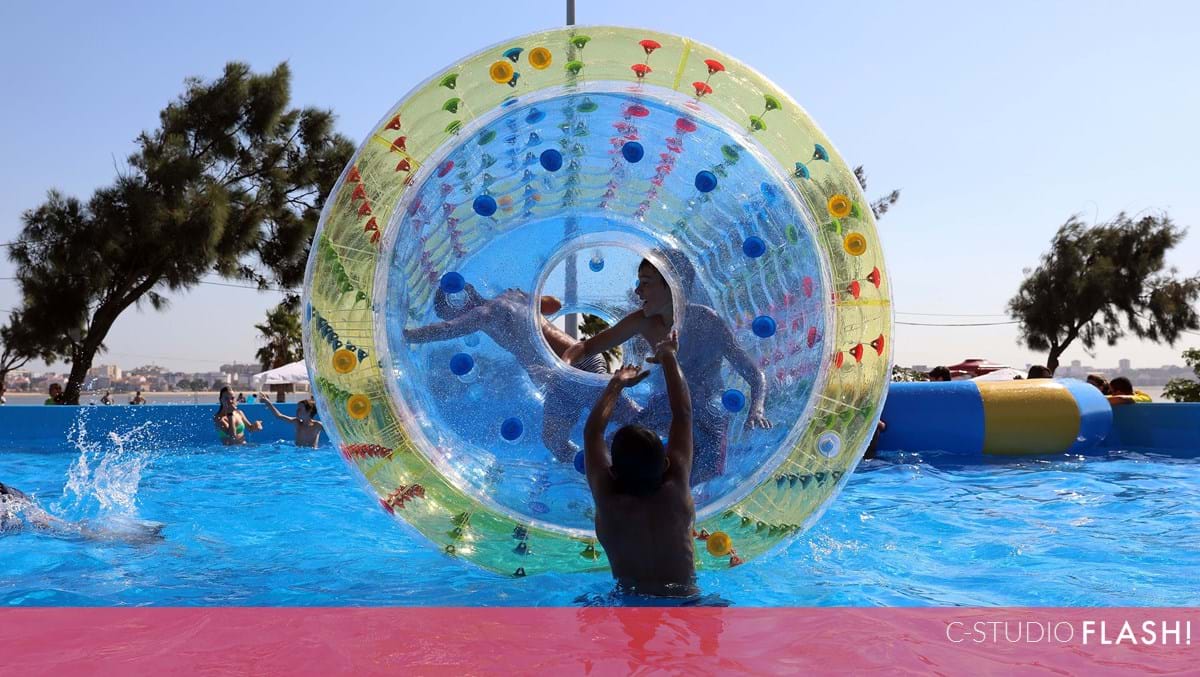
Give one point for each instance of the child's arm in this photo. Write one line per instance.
(468, 323)
(595, 449)
(745, 367)
(679, 441)
(606, 340)
(271, 405)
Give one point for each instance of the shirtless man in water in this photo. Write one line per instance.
(17, 510)
(707, 342)
(505, 319)
(644, 508)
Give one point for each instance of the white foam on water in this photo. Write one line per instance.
(103, 479)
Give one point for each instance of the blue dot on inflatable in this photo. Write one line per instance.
(551, 160)
(754, 247)
(829, 444)
(596, 264)
(453, 282)
(511, 429)
(633, 151)
(579, 466)
(485, 205)
(763, 327)
(706, 181)
(733, 400)
(770, 193)
(461, 364)
(535, 116)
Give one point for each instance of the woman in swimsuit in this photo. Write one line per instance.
(231, 423)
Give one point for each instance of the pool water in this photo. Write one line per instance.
(270, 524)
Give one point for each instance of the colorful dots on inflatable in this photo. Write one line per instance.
(514, 199)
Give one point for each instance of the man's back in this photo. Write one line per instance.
(644, 509)
(648, 539)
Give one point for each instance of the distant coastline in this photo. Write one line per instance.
(122, 399)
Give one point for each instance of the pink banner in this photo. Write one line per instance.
(602, 640)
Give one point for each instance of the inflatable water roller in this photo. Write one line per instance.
(552, 165)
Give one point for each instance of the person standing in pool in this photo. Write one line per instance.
(231, 423)
(308, 428)
(707, 341)
(644, 508)
(505, 319)
(56, 394)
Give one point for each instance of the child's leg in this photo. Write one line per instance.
(558, 418)
(711, 439)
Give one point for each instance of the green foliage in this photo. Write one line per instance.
(231, 182)
(1101, 282)
(879, 206)
(281, 337)
(1183, 389)
(594, 324)
(18, 345)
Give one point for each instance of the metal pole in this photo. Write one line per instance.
(571, 283)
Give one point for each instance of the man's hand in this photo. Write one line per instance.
(669, 344)
(629, 376)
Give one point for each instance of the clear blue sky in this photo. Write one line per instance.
(997, 120)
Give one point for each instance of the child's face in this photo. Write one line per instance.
(652, 289)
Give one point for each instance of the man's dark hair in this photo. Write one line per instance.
(310, 405)
(1120, 386)
(939, 374)
(638, 460)
(1038, 371)
(679, 265)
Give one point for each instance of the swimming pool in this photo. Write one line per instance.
(270, 524)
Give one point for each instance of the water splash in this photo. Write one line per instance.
(104, 478)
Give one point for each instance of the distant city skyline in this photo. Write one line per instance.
(996, 121)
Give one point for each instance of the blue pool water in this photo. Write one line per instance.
(274, 525)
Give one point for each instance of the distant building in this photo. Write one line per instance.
(238, 374)
(147, 370)
(1124, 365)
(107, 372)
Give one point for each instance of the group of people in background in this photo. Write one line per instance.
(232, 424)
(57, 396)
(1120, 390)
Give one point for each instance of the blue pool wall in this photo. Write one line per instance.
(170, 425)
(1160, 427)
